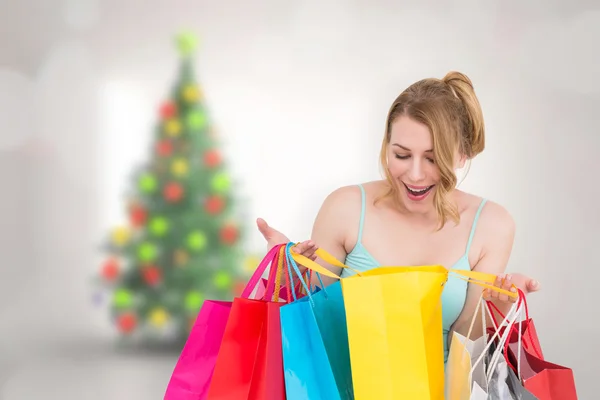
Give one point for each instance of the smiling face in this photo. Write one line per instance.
(412, 164)
(432, 128)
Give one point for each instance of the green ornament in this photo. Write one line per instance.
(193, 301)
(147, 183)
(197, 240)
(221, 182)
(122, 298)
(147, 252)
(159, 226)
(186, 43)
(222, 280)
(197, 120)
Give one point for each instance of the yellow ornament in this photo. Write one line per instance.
(181, 257)
(173, 127)
(179, 167)
(191, 93)
(251, 263)
(158, 317)
(120, 236)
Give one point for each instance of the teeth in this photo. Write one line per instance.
(419, 191)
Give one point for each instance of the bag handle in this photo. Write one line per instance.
(255, 278)
(482, 279)
(316, 267)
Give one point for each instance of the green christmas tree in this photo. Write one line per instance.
(182, 242)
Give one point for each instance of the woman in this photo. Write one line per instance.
(416, 216)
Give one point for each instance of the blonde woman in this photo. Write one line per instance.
(416, 216)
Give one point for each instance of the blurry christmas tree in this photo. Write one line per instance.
(182, 242)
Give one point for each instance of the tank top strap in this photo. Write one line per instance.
(363, 204)
(474, 226)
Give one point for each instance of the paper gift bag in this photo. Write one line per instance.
(517, 390)
(394, 322)
(528, 333)
(194, 369)
(249, 364)
(545, 380)
(472, 362)
(315, 347)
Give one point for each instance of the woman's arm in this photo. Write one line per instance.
(331, 226)
(497, 233)
(338, 212)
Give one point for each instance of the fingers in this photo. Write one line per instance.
(264, 228)
(503, 282)
(307, 249)
(533, 285)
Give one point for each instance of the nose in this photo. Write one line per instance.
(417, 172)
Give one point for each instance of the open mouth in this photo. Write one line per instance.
(418, 192)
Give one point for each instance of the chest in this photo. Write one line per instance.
(393, 241)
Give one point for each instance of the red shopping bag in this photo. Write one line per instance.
(545, 380)
(249, 365)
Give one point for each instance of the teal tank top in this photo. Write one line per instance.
(455, 290)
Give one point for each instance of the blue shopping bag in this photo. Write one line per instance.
(316, 358)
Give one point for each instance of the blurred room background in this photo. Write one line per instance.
(296, 92)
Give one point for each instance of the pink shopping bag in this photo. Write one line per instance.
(194, 369)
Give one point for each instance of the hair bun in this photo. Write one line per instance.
(474, 127)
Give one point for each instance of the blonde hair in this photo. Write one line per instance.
(451, 111)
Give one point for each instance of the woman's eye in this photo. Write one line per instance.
(402, 157)
(431, 160)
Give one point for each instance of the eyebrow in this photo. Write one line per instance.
(407, 149)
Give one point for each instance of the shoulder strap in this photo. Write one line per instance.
(474, 225)
(362, 212)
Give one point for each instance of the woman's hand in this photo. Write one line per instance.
(274, 237)
(526, 284)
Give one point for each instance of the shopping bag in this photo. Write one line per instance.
(517, 389)
(545, 380)
(471, 363)
(528, 335)
(249, 364)
(465, 369)
(315, 347)
(394, 320)
(194, 369)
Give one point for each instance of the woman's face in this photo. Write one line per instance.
(411, 163)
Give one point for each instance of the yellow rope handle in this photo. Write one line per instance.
(477, 278)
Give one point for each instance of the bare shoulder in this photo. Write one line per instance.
(340, 212)
(495, 229)
(496, 218)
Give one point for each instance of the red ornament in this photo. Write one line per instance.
(164, 148)
(110, 269)
(152, 275)
(214, 205)
(168, 110)
(212, 158)
(238, 288)
(229, 234)
(173, 192)
(137, 215)
(126, 322)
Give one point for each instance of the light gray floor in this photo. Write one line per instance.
(86, 370)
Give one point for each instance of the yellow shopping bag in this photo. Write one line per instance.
(394, 321)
